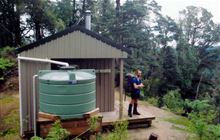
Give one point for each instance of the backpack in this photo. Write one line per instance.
(128, 86)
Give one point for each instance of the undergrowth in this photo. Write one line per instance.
(9, 117)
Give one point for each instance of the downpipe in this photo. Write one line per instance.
(34, 102)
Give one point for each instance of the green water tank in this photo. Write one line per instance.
(67, 93)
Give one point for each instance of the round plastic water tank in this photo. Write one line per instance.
(68, 94)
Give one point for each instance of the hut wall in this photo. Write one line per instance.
(75, 45)
(27, 70)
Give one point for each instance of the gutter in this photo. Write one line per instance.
(43, 60)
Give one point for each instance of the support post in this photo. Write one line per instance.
(121, 88)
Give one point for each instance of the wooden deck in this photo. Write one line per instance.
(136, 121)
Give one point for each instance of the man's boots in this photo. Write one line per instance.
(130, 110)
(135, 112)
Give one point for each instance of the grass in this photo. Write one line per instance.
(9, 116)
(180, 123)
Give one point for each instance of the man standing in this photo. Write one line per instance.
(135, 93)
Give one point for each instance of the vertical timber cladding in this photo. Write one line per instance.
(28, 69)
(105, 75)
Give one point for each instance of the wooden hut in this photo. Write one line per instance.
(75, 45)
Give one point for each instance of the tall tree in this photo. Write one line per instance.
(187, 58)
(42, 18)
(10, 31)
(103, 19)
(198, 27)
(167, 31)
(198, 33)
(170, 69)
(65, 10)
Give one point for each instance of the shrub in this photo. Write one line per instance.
(93, 123)
(119, 132)
(202, 125)
(197, 105)
(7, 52)
(153, 100)
(5, 65)
(173, 101)
(7, 62)
(199, 125)
(56, 133)
(214, 132)
(151, 87)
(9, 116)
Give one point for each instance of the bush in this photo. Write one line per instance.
(5, 65)
(173, 101)
(202, 125)
(119, 132)
(9, 117)
(151, 87)
(7, 62)
(7, 52)
(56, 133)
(197, 105)
(199, 125)
(214, 132)
(153, 100)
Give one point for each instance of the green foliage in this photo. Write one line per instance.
(183, 121)
(197, 26)
(64, 11)
(173, 101)
(57, 132)
(7, 52)
(151, 87)
(170, 69)
(198, 105)
(153, 100)
(199, 127)
(93, 123)
(214, 132)
(9, 118)
(36, 138)
(201, 123)
(5, 65)
(103, 18)
(7, 61)
(119, 131)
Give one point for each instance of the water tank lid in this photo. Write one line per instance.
(64, 77)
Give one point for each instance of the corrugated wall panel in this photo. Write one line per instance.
(86, 47)
(27, 70)
(113, 85)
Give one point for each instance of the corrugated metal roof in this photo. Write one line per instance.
(70, 30)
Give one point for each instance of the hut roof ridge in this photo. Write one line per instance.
(70, 30)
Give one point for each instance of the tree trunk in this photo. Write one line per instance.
(198, 86)
(37, 18)
(38, 32)
(17, 24)
(118, 40)
(84, 7)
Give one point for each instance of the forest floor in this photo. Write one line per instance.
(167, 125)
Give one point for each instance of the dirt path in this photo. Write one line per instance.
(160, 126)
